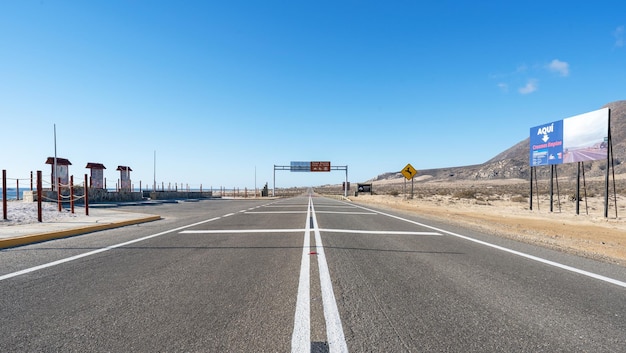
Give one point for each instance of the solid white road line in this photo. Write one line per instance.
(334, 329)
(301, 337)
(511, 251)
(80, 256)
(274, 212)
(348, 212)
(383, 232)
(237, 231)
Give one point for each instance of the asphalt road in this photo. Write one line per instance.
(303, 274)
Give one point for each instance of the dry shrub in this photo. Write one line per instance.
(519, 198)
(464, 194)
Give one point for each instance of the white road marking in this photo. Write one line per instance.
(352, 231)
(334, 329)
(235, 231)
(97, 251)
(348, 212)
(274, 212)
(384, 232)
(511, 251)
(301, 337)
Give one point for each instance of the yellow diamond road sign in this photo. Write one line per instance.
(409, 172)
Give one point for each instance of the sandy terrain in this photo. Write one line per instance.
(499, 208)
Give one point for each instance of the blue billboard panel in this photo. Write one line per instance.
(300, 166)
(546, 144)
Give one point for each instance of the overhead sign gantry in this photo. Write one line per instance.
(315, 166)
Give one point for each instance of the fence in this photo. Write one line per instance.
(68, 195)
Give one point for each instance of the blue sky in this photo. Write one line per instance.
(221, 89)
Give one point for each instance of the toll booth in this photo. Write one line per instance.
(125, 184)
(96, 179)
(62, 171)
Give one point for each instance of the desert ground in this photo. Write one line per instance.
(501, 207)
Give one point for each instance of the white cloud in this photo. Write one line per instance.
(619, 36)
(560, 67)
(531, 86)
(503, 87)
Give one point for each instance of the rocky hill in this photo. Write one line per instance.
(513, 163)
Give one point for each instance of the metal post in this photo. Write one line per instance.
(274, 188)
(39, 218)
(54, 175)
(345, 194)
(4, 194)
(154, 174)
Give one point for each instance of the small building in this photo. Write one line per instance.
(125, 184)
(96, 179)
(62, 171)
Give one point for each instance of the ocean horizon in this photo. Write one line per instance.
(12, 193)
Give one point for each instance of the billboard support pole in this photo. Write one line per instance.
(606, 179)
(585, 187)
(551, 187)
(537, 188)
(609, 165)
(578, 189)
(531, 188)
(613, 171)
(558, 190)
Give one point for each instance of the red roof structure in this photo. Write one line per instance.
(95, 166)
(60, 161)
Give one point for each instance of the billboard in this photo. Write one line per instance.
(579, 138)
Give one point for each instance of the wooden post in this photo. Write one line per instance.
(86, 197)
(59, 193)
(72, 193)
(4, 194)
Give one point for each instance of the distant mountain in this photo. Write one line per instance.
(513, 163)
